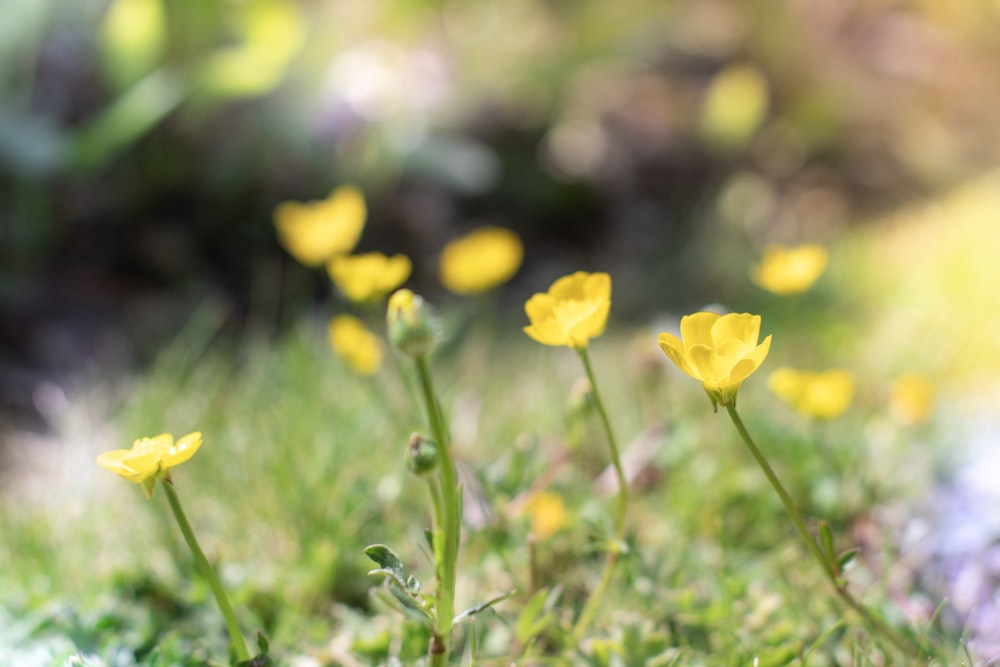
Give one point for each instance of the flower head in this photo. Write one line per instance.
(821, 395)
(719, 350)
(785, 270)
(369, 276)
(574, 310)
(912, 398)
(481, 260)
(411, 327)
(314, 232)
(150, 458)
(355, 344)
(547, 514)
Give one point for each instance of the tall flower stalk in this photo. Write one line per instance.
(574, 310)
(721, 351)
(150, 460)
(412, 331)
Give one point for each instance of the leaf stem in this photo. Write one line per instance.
(236, 640)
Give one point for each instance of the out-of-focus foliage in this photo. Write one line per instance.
(630, 129)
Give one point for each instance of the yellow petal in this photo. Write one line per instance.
(182, 451)
(737, 326)
(696, 329)
(674, 349)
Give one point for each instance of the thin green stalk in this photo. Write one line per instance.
(236, 641)
(447, 522)
(586, 616)
(830, 569)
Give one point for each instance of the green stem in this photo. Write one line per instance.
(236, 641)
(447, 522)
(830, 569)
(586, 616)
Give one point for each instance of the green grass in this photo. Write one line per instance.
(303, 466)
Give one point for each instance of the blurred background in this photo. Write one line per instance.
(145, 144)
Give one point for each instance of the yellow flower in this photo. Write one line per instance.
(369, 276)
(574, 310)
(912, 398)
(789, 270)
(481, 260)
(150, 458)
(314, 232)
(547, 514)
(821, 395)
(719, 350)
(411, 327)
(355, 344)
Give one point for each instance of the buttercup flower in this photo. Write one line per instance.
(355, 344)
(314, 232)
(574, 310)
(547, 514)
(789, 270)
(481, 260)
(150, 458)
(912, 398)
(719, 350)
(411, 327)
(821, 395)
(369, 276)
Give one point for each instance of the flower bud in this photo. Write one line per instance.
(421, 455)
(411, 327)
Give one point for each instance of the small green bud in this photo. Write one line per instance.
(411, 327)
(422, 454)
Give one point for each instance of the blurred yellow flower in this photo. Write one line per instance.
(784, 270)
(150, 458)
(314, 232)
(547, 514)
(912, 398)
(574, 310)
(719, 350)
(481, 260)
(369, 276)
(355, 344)
(822, 395)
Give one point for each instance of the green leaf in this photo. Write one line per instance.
(826, 539)
(472, 611)
(532, 620)
(844, 559)
(262, 644)
(387, 560)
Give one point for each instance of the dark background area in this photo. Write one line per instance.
(144, 146)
